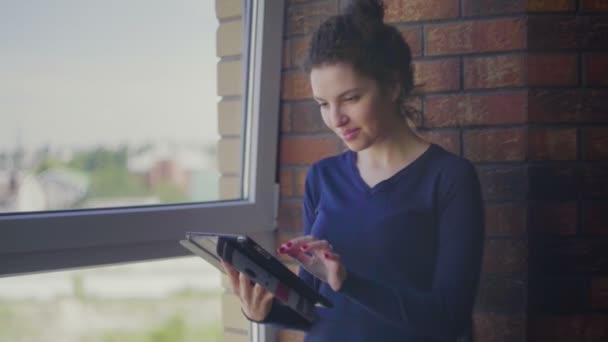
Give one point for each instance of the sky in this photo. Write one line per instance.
(89, 72)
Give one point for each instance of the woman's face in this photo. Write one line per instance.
(353, 106)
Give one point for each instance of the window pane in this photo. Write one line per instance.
(169, 300)
(119, 103)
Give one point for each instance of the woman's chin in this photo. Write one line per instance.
(356, 146)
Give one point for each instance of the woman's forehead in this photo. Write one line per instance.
(334, 79)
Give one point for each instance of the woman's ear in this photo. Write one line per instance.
(394, 90)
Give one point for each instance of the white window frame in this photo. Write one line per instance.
(44, 241)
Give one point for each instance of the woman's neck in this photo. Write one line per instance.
(399, 147)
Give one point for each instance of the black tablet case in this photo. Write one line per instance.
(246, 256)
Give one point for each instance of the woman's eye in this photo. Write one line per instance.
(322, 105)
(352, 98)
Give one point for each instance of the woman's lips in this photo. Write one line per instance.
(350, 134)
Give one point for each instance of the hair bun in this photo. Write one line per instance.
(365, 10)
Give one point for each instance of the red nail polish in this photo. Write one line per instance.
(304, 246)
(282, 250)
(289, 244)
(326, 255)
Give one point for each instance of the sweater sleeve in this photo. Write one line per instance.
(280, 315)
(444, 310)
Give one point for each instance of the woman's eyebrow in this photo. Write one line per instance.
(342, 94)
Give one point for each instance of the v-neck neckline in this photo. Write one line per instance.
(388, 181)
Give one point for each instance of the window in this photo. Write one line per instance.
(157, 201)
(115, 303)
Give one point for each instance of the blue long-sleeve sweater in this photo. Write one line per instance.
(412, 247)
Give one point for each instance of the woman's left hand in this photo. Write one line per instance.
(318, 258)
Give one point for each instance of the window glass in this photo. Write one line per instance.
(174, 300)
(116, 103)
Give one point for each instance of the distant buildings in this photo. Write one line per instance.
(192, 169)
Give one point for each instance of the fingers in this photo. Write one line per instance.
(295, 244)
(233, 276)
(322, 249)
(316, 246)
(245, 288)
(260, 295)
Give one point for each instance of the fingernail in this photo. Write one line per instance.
(282, 250)
(326, 255)
(304, 246)
(289, 244)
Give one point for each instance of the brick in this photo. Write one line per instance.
(299, 50)
(505, 256)
(307, 118)
(228, 8)
(285, 117)
(494, 71)
(305, 18)
(437, 75)
(553, 218)
(229, 38)
(501, 293)
(596, 143)
(595, 218)
(595, 181)
(599, 293)
(552, 144)
(597, 328)
(475, 109)
(552, 32)
(229, 155)
(230, 187)
(230, 117)
(555, 255)
(475, 36)
(450, 140)
(552, 70)
(553, 182)
(290, 336)
(568, 106)
(505, 220)
(492, 7)
(286, 183)
(300, 181)
(592, 32)
(495, 144)
(290, 215)
(559, 294)
(594, 5)
(411, 35)
(286, 57)
(229, 78)
(596, 67)
(558, 32)
(306, 150)
(557, 328)
(295, 86)
(572, 327)
(504, 183)
(498, 327)
(414, 10)
(551, 5)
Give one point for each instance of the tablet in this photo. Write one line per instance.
(248, 257)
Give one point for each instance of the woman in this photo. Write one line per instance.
(393, 227)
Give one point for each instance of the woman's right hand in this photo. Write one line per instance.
(256, 301)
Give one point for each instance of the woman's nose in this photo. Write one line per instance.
(338, 118)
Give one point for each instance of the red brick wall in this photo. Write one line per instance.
(521, 89)
(568, 170)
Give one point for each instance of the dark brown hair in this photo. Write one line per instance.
(360, 38)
